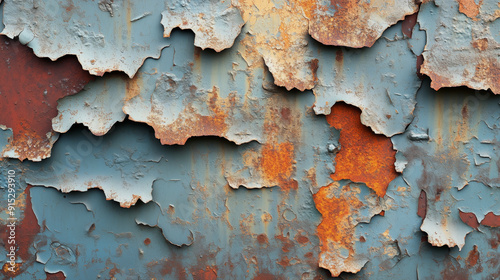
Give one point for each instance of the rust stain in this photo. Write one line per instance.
(489, 219)
(364, 156)
(147, 241)
(196, 124)
(277, 163)
(454, 271)
(469, 219)
(480, 44)
(267, 276)
(353, 23)
(472, 258)
(31, 87)
(287, 244)
(26, 230)
(469, 8)
(336, 230)
(408, 24)
(422, 204)
(262, 239)
(55, 276)
(209, 273)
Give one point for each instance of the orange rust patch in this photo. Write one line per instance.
(30, 89)
(55, 276)
(335, 213)
(147, 241)
(26, 231)
(488, 71)
(209, 273)
(469, 8)
(364, 156)
(422, 204)
(277, 164)
(480, 44)
(350, 24)
(408, 24)
(9, 273)
(472, 258)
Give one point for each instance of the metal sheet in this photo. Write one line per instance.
(462, 43)
(215, 23)
(248, 151)
(105, 36)
(29, 91)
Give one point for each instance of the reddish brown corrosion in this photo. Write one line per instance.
(26, 230)
(469, 8)
(473, 257)
(195, 124)
(55, 276)
(267, 276)
(422, 204)
(491, 220)
(31, 87)
(480, 44)
(353, 22)
(262, 239)
(364, 156)
(469, 219)
(408, 24)
(335, 213)
(278, 164)
(147, 241)
(209, 273)
(336, 226)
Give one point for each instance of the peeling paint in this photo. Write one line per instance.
(264, 143)
(103, 41)
(30, 98)
(465, 34)
(215, 23)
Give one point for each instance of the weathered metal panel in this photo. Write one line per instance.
(275, 140)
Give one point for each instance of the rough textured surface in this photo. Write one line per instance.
(105, 36)
(29, 91)
(462, 44)
(209, 164)
(215, 23)
(381, 81)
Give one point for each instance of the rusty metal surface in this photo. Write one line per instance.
(32, 98)
(462, 43)
(215, 23)
(249, 147)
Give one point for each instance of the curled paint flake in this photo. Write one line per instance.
(464, 32)
(102, 44)
(216, 24)
(353, 23)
